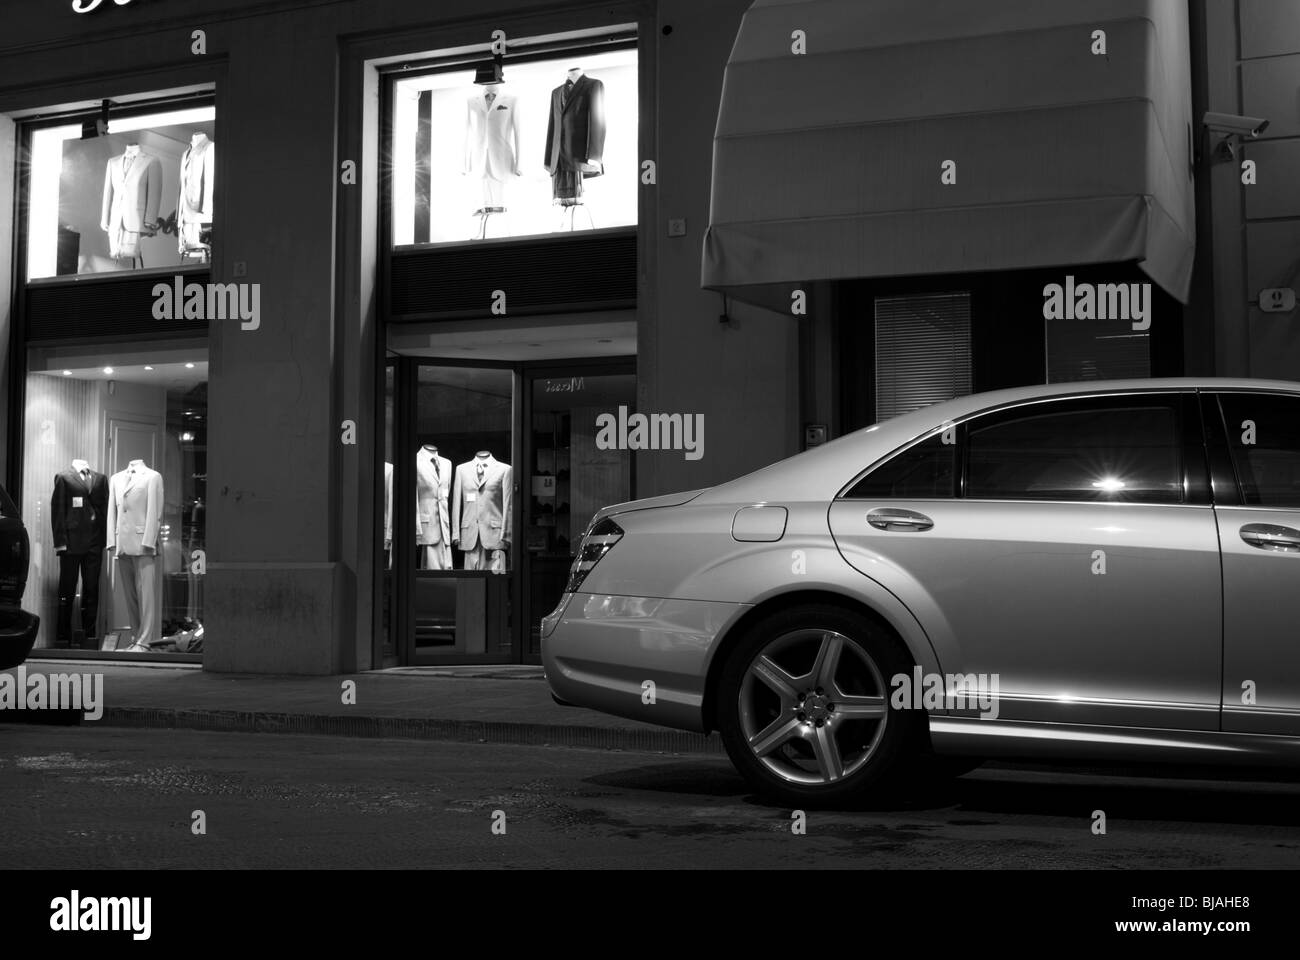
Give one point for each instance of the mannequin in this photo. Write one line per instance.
(79, 516)
(575, 135)
(135, 505)
(132, 192)
(432, 524)
(491, 146)
(481, 512)
(194, 206)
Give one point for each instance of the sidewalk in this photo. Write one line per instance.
(488, 704)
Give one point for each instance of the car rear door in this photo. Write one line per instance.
(1076, 556)
(1259, 528)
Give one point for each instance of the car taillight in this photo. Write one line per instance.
(597, 542)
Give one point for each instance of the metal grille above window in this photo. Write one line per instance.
(923, 351)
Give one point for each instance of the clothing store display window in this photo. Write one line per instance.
(114, 488)
(543, 146)
(133, 193)
(459, 465)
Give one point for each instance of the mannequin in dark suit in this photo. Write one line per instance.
(79, 517)
(575, 134)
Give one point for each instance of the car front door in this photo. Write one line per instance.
(1075, 557)
(1260, 534)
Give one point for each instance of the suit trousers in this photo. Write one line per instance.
(139, 586)
(480, 558)
(87, 566)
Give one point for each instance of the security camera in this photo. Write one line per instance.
(1234, 129)
(1248, 128)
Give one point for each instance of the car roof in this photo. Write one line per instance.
(820, 473)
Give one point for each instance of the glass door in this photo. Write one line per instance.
(572, 472)
(455, 512)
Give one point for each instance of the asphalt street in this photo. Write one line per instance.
(86, 798)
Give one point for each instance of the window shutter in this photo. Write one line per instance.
(923, 351)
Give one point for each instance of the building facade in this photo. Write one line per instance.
(348, 309)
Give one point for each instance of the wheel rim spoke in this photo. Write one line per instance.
(779, 680)
(827, 752)
(828, 661)
(773, 735)
(859, 708)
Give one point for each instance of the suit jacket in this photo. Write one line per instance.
(480, 512)
(79, 512)
(432, 484)
(135, 505)
(131, 197)
(575, 133)
(198, 169)
(492, 137)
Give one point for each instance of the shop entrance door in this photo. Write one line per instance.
(572, 473)
(481, 516)
(451, 495)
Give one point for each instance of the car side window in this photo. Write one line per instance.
(924, 471)
(7, 508)
(1264, 438)
(1110, 449)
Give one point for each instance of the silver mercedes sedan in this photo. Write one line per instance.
(1105, 571)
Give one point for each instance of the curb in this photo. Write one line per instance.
(416, 728)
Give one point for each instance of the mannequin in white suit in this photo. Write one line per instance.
(198, 176)
(132, 192)
(135, 506)
(481, 512)
(492, 142)
(432, 524)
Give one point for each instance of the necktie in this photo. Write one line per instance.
(126, 163)
(490, 97)
(564, 97)
(481, 467)
(85, 477)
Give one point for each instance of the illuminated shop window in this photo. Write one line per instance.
(114, 496)
(137, 197)
(551, 148)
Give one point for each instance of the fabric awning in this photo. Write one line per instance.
(827, 165)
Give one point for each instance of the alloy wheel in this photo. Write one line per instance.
(812, 706)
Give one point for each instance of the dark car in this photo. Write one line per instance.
(17, 626)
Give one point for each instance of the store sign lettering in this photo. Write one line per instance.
(89, 6)
(571, 385)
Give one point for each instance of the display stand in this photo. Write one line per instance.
(569, 211)
(484, 214)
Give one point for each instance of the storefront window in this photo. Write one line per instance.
(137, 197)
(549, 147)
(114, 494)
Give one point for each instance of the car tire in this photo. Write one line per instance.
(783, 717)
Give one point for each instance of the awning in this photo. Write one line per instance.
(827, 165)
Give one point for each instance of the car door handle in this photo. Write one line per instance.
(889, 519)
(1269, 536)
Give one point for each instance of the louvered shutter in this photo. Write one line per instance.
(923, 351)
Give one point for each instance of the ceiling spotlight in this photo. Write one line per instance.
(147, 367)
(189, 366)
(108, 370)
(67, 373)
